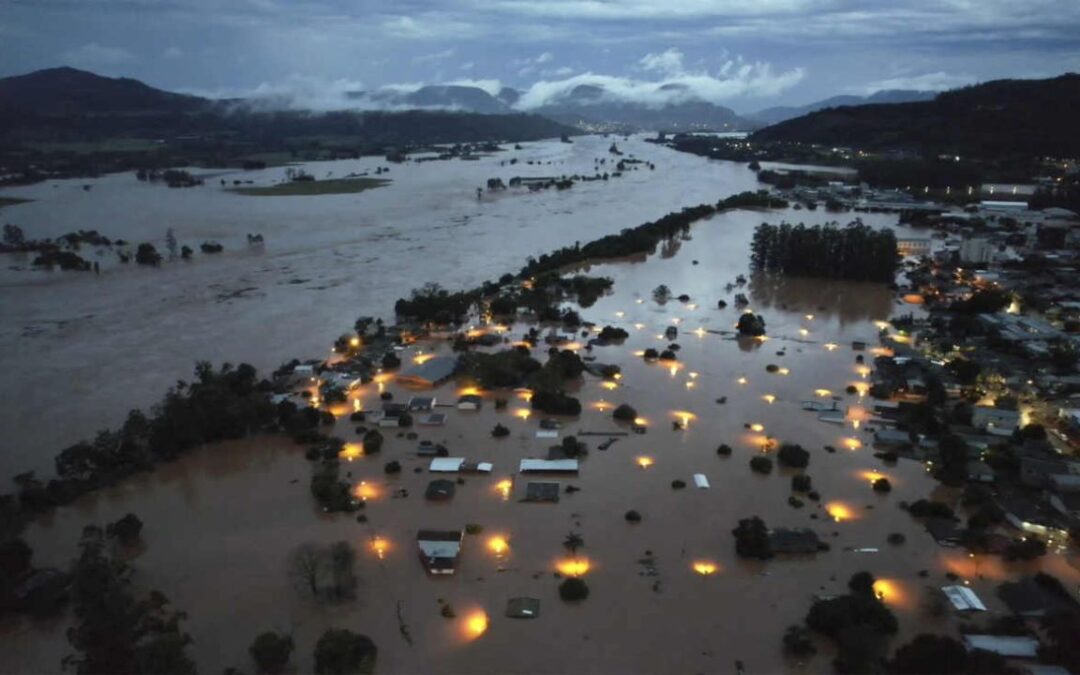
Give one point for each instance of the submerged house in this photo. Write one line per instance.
(794, 541)
(548, 466)
(430, 373)
(997, 421)
(439, 550)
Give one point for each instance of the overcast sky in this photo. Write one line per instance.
(747, 54)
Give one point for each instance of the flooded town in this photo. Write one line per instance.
(601, 395)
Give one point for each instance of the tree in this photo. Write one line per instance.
(342, 558)
(126, 530)
(751, 324)
(862, 583)
(271, 651)
(752, 539)
(573, 542)
(793, 455)
(882, 485)
(500, 431)
(761, 464)
(1061, 646)
(573, 589)
(625, 413)
(14, 236)
(929, 654)
(146, 254)
(170, 243)
(342, 652)
(305, 568)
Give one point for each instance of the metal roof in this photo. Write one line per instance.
(963, 598)
(446, 464)
(553, 465)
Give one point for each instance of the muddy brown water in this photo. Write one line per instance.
(221, 521)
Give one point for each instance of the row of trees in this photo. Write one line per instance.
(857, 252)
(220, 404)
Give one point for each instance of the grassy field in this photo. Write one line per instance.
(12, 201)
(337, 186)
(135, 145)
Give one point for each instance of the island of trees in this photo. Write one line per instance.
(856, 252)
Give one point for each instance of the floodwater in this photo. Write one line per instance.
(221, 521)
(79, 351)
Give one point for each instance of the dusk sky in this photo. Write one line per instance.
(746, 54)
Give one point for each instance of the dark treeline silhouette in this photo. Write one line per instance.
(434, 304)
(856, 252)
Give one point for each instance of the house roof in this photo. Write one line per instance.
(523, 608)
(963, 598)
(446, 464)
(1016, 646)
(549, 465)
(433, 371)
(542, 492)
(783, 540)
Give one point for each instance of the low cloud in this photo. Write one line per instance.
(734, 79)
(939, 81)
(490, 86)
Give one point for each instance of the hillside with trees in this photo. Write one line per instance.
(999, 118)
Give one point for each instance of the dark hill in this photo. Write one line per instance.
(999, 118)
(68, 91)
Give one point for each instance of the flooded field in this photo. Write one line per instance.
(221, 522)
(94, 347)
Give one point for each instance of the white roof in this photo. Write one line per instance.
(485, 467)
(701, 481)
(963, 598)
(1005, 645)
(446, 464)
(547, 433)
(439, 549)
(548, 465)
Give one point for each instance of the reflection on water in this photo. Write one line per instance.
(846, 301)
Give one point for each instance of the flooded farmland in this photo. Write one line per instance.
(118, 340)
(221, 521)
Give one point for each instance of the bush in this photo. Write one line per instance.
(852, 389)
(751, 324)
(793, 455)
(340, 651)
(724, 450)
(772, 368)
(500, 431)
(678, 484)
(392, 467)
(633, 516)
(573, 589)
(800, 483)
(391, 361)
(651, 354)
(146, 254)
(271, 651)
(625, 413)
(896, 538)
(882, 485)
(668, 355)
(761, 464)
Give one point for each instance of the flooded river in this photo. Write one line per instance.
(221, 522)
(95, 347)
